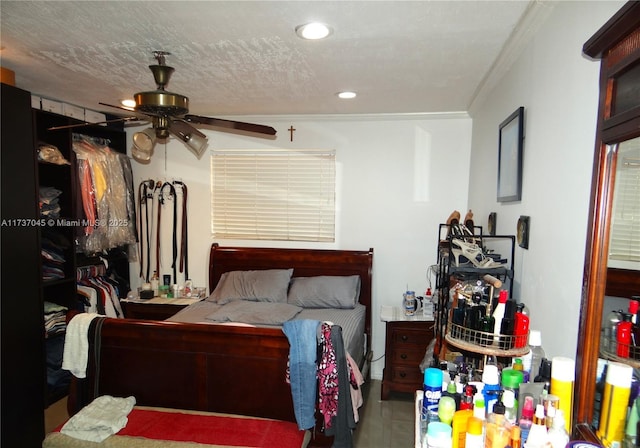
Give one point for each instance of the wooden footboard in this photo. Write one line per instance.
(219, 368)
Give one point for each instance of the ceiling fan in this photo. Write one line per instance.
(169, 115)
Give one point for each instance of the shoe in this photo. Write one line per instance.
(454, 218)
(468, 219)
(473, 253)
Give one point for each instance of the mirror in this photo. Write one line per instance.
(617, 45)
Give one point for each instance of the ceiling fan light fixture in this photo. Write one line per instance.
(129, 103)
(143, 143)
(347, 95)
(313, 31)
(197, 144)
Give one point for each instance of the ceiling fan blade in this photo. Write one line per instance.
(231, 124)
(86, 123)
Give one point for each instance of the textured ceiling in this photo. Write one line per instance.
(244, 58)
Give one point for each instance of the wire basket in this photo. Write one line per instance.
(486, 343)
(615, 351)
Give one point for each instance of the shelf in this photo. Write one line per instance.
(492, 347)
(609, 351)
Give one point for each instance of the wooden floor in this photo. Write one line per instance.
(382, 424)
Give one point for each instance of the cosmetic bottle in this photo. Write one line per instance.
(432, 387)
(634, 304)
(491, 389)
(519, 366)
(521, 327)
(538, 433)
(563, 373)
(623, 335)
(516, 437)
(631, 433)
(510, 406)
(452, 391)
(497, 432)
(526, 420)
(487, 326)
(557, 436)
(615, 402)
(446, 409)
(498, 313)
(610, 329)
(459, 428)
(533, 359)
(466, 400)
(155, 283)
(475, 433)
(457, 318)
(479, 410)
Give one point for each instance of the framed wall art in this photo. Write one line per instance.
(510, 145)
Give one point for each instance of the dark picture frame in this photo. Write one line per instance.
(510, 146)
(492, 223)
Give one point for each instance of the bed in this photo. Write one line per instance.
(232, 369)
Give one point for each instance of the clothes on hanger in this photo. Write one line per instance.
(107, 195)
(100, 291)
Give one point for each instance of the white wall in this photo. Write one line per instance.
(398, 177)
(558, 87)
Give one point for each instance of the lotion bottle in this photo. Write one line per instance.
(498, 313)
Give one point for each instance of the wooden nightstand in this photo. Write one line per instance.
(407, 339)
(154, 309)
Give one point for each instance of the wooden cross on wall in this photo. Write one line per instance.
(291, 131)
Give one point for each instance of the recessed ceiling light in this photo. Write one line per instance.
(128, 103)
(313, 30)
(347, 95)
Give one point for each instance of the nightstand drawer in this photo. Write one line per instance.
(401, 355)
(406, 375)
(410, 336)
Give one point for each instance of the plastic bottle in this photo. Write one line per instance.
(452, 391)
(538, 432)
(631, 433)
(623, 336)
(491, 389)
(516, 437)
(510, 380)
(526, 420)
(521, 328)
(446, 409)
(610, 328)
(479, 410)
(487, 327)
(155, 283)
(432, 392)
(475, 433)
(519, 366)
(563, 374)
(536, 352)
(615, 401)
(510, 406)
(633, 310)
(557, 436)
(439, 435)
(459, 427)
(498, 313)
(497, 433)
(466, 400)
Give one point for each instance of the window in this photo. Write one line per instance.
(624, 246)
(273, 195)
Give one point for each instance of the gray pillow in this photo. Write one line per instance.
(263, 313)
(269, 285)
(325, 291)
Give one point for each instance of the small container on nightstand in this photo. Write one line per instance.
(407, 338)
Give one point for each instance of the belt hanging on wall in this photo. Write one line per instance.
(184, 256)
(145, 193)
(172, 192)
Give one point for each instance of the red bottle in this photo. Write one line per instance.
(623, 335)
(521, 329)
(466, 400)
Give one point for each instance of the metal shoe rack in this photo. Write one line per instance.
(501, 248)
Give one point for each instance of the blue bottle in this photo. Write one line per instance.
(432, 392)
(491, 389)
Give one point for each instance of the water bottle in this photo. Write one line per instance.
(536, 352)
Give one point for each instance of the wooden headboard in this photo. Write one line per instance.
(305, 263)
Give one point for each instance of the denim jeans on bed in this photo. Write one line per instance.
(303, 368)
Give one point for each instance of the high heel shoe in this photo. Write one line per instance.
(468, 220)
(473, 253)
(454, 218)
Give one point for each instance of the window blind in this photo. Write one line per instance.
(273, 195)
(624, 242)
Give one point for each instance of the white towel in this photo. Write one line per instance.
(104, 416)
(76, 344)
